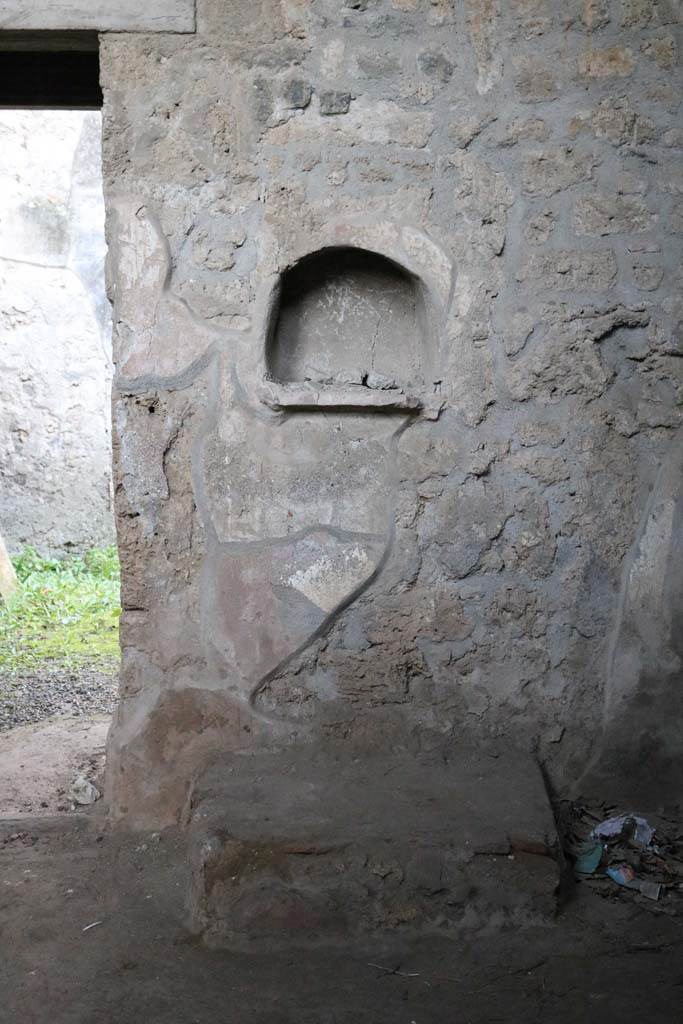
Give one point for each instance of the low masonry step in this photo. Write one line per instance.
(313, 843)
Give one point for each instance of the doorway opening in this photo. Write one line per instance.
(59, 654)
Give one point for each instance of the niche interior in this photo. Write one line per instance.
(349, 327)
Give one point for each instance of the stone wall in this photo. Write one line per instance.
(475, 208)
(55, 349)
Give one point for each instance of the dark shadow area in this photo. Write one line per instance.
(50, 70)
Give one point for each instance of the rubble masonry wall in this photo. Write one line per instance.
(429, 531)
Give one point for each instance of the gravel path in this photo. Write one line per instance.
(40, 694)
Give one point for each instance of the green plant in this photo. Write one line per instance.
(65, 612)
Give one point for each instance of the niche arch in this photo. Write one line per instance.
(350, 327)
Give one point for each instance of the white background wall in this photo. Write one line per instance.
(55, 334)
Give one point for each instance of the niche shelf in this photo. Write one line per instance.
(349, 328)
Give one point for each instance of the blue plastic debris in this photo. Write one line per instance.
(623, 874)
(588, 859)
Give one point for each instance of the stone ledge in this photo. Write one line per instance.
(310, 396)
(98, 15)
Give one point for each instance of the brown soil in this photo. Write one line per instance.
(93, 931)
(39, 763)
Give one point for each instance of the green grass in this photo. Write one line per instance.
(66, 612)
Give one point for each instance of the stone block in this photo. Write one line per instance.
(647, 275)
(612, 61)
(539, 228)
(367, 121)
(603, 214)
(297, 93)
(435, 65)
(662, 50)
(595, 13)
(555, 170)
(535, 81)
(637, 13)
(333, 102)
(570, 270)
(615, 120)
(324, 844)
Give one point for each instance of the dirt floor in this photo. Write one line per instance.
(53, 728)
(39, 763)
(93, 931)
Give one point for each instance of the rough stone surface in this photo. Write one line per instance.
(55, 329)
(353, 553)
(355, 842)
(607, 215)
(334, 102)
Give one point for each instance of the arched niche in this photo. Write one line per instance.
(350, 320)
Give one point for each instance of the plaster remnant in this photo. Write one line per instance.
(327, 584)
(482, 22)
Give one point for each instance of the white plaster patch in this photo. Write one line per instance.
(329, 581)
(332, 58)
(648, 573)
(141, 264)
(432, 261)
